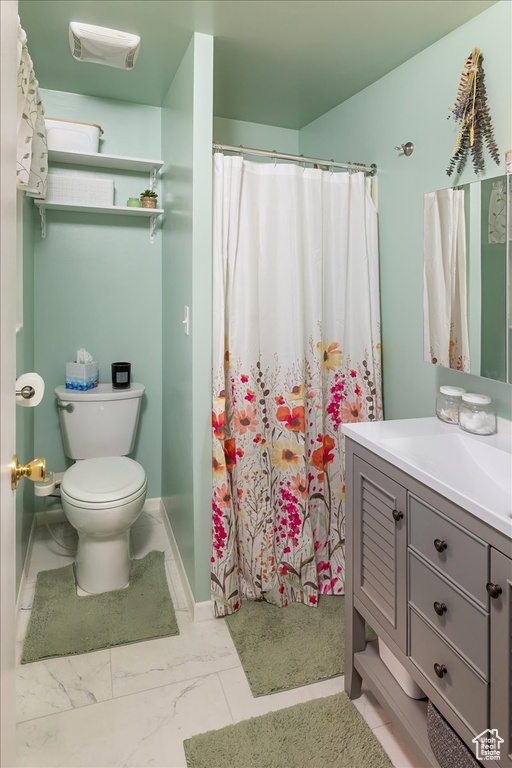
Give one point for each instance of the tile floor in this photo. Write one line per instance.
(134, 705)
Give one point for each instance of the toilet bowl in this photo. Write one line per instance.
(102, 498)
(104, 491)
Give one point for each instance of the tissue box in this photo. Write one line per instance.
(81, 375)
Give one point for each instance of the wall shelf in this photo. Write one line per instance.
(119, 210)
(99, 160)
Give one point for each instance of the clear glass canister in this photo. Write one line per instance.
(477, 415)
(447, 404)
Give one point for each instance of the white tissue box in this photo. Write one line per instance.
(81, 375)
(79, 190)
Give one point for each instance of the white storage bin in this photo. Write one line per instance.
(71, 135)
(79, 190)
(399, 672)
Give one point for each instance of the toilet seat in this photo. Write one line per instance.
(104, 482)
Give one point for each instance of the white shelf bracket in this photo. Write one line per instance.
(152, 223)
(152, 179)
(42, 213)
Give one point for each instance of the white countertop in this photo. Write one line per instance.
(473, 471)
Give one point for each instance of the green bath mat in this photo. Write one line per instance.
(283, 648)
(324, 733)
(62, 624)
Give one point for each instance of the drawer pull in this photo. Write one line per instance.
(440, 608)
(440, 670)
(493, 590)
(397, 515)
(440, 545)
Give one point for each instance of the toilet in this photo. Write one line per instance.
(104, 491)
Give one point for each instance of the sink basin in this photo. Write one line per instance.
(480, 472)
(473, 471)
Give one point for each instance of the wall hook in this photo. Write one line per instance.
(407, 149)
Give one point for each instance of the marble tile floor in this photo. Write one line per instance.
(134, 705)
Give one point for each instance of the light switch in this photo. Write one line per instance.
(186, 321)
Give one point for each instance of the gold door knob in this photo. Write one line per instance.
(35, 471)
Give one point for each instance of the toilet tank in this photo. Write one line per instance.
(99, 422)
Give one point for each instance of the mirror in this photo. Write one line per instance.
(467, 289)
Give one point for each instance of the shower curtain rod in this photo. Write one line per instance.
(370, 170)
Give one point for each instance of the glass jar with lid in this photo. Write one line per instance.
(447, 404)
(476, 415)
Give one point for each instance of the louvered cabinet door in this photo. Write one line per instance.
(380, 548)
(500, 604)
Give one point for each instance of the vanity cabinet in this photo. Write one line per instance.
(435, 583)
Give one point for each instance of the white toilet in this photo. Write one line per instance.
(104, 491)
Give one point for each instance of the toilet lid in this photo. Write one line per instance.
(103, 480)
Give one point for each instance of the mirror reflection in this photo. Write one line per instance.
(466, 288)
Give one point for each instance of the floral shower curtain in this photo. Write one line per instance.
(296, 352)
(445, 316)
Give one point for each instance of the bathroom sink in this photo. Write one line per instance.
(471, 470)
(480, 472)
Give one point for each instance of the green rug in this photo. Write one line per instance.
(283, 648)
(61, 623)
(324, 733)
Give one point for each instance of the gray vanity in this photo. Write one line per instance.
(429, 567)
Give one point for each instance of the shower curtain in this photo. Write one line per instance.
(296, 352)
(445, 321)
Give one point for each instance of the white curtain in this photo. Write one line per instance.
(32, 150)
(296, 352)
(445, 323)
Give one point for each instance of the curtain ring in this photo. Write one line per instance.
(275, 158)
(332, 166)
(303, 164)
(241, 151)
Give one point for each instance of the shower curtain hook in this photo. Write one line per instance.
(241, 151)
(303, 164)
(275, 158)
(332, 165)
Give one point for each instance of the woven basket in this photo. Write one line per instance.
(448, 748)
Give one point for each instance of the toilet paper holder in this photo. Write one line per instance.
(26, 392)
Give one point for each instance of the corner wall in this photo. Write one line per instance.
(411, 104)
(186, 281)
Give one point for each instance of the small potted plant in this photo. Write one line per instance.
(148, 198)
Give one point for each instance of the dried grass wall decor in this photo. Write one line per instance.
(472, 112)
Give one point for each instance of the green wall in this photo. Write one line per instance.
(411, 104)
(186, 280)
(97, 282)
(255, 135)
(25, 364)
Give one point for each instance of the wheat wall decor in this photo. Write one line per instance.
(472, 112)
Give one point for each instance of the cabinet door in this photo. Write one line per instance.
(501, 653)
(380, 543)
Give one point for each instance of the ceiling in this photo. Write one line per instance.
(280, 62)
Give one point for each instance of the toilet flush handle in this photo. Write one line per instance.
(69, 407)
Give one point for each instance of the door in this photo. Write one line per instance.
(500, 604)
(380, 548)
(8, 61)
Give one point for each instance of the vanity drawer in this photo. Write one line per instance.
(462, 688)
(463, 623)
(463, 557)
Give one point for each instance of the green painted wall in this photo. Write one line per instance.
(186, 280)
(25, 364)
(97, 283)
(256, 136)
(411, 104)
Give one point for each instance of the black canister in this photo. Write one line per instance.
(121, 375)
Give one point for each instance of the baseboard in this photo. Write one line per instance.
(24, 573)
(199, 611)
